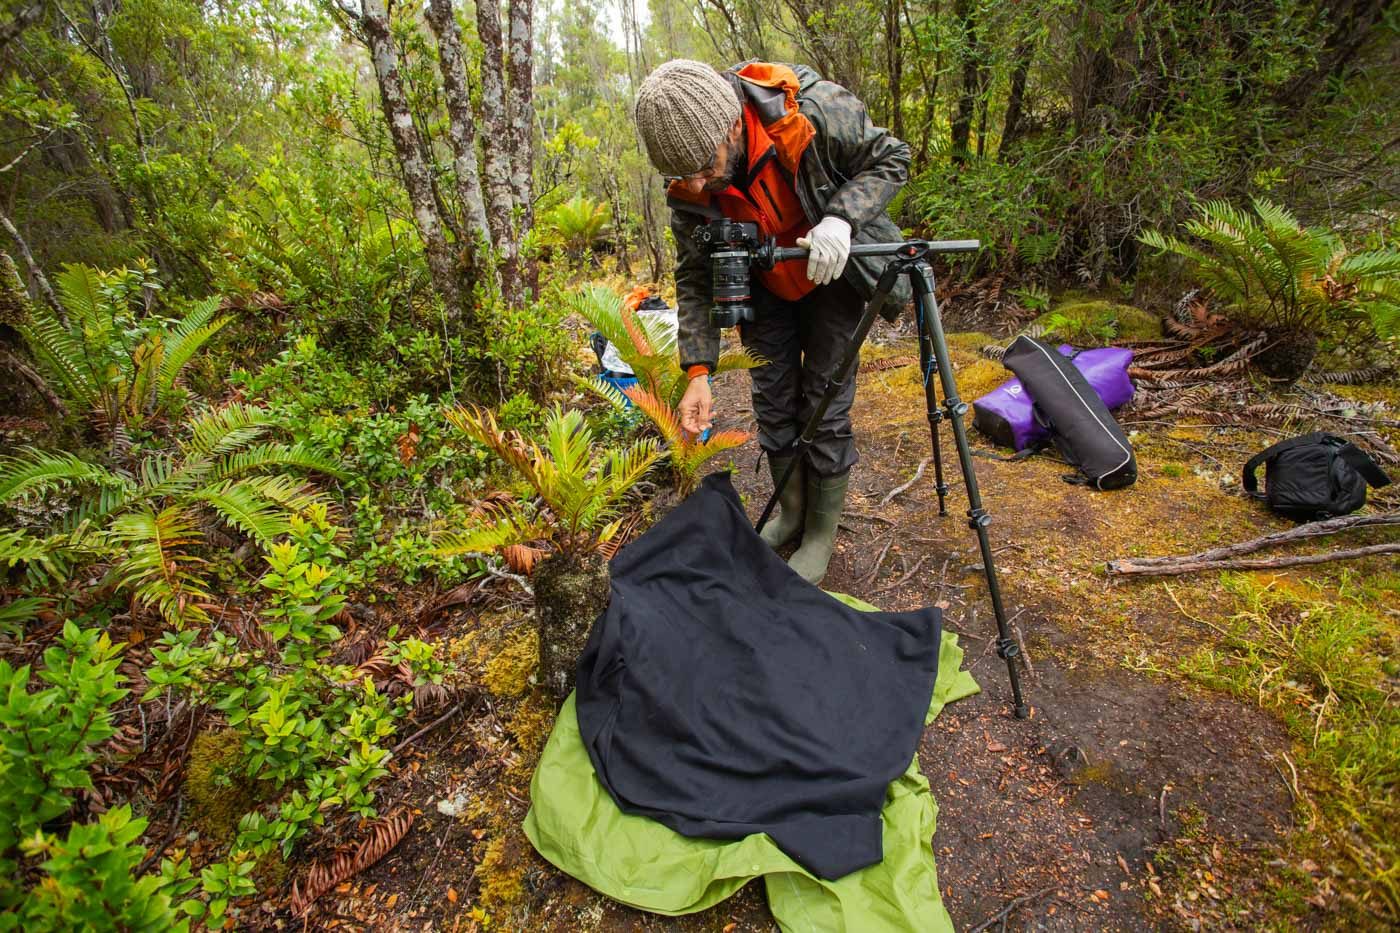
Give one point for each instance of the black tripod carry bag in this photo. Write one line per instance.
(1314, 476)
(1081, 427)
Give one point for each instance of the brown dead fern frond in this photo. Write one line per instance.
(382, 836)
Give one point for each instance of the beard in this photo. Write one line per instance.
(724, 178)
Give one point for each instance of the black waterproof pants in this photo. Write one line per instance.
(802, 342)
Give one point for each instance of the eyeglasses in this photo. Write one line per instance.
(705, 171)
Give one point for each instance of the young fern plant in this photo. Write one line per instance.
(1289, 281)
(685, 452)
(573, 515)
(146, 526)
(650, 349)
(114, 359)
(579, 492)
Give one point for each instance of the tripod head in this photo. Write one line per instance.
(736, 247)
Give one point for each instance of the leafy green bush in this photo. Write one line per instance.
(49, 736)
(147, 527)
(314, 730)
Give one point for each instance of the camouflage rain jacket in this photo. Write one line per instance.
(850, 169)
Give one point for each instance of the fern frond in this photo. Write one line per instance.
(221, 430)
(514, 530)
(185, 340)
(243, 507)
(659, 413)
(154, 565)
(265, 456)
(605, 390)
(42, 471)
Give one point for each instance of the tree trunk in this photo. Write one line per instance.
(520, 113)
(967, 99)
(500, 199)
(461, 121)
(409, 149)
(894, 62)
(37, 281)
(930, 88)
(570, 594)
(1015, 98)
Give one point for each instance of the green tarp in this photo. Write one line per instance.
(577, 827)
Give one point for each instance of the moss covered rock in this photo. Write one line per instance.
(218, 790)
(1098, 323)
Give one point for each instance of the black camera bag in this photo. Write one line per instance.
(1081, 427)
(1314, 476)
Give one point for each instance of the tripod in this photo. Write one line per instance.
(912, 258)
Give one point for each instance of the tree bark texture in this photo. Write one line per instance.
(461, 120)
(500, 199)
(1015, 99)
(408, 146)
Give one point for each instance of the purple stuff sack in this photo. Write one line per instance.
(1006, 414)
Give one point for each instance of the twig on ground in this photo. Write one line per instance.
(869, 576)
(869, 518)
(150, 860)
(1162, 807)
(902, 579)
(1010, 906)
(1025, 655)
(923, 465)
(429, 727)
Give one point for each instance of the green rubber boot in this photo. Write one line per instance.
(785, 525)
(826, 498)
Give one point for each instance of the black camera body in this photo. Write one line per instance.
(734, 246)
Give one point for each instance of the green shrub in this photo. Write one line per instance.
(313, 732)
(49, 736)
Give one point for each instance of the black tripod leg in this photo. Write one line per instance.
(935, 415)
(978, 519)
(835, 381)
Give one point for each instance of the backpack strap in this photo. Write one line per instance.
(1251, 482)
(1362, 463)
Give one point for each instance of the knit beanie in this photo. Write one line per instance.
(684, 109)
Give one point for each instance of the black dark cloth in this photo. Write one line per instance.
(723, 695)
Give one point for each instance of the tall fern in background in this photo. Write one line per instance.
(116, 359)
(576, 224)
(1292, 282)
(146, 526)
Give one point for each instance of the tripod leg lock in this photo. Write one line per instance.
(1007, 649)
(936, 416)
(956, 407)
(978, 518)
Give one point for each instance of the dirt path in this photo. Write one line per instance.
(1065, 808)
(1129, 800)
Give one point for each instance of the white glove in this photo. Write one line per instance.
(830, 245)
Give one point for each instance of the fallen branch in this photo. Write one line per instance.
(1006, 911)
(869, 576)
(923, 465)
(1311, 530)
(1191, 565)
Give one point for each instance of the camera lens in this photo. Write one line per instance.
(730, 270)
